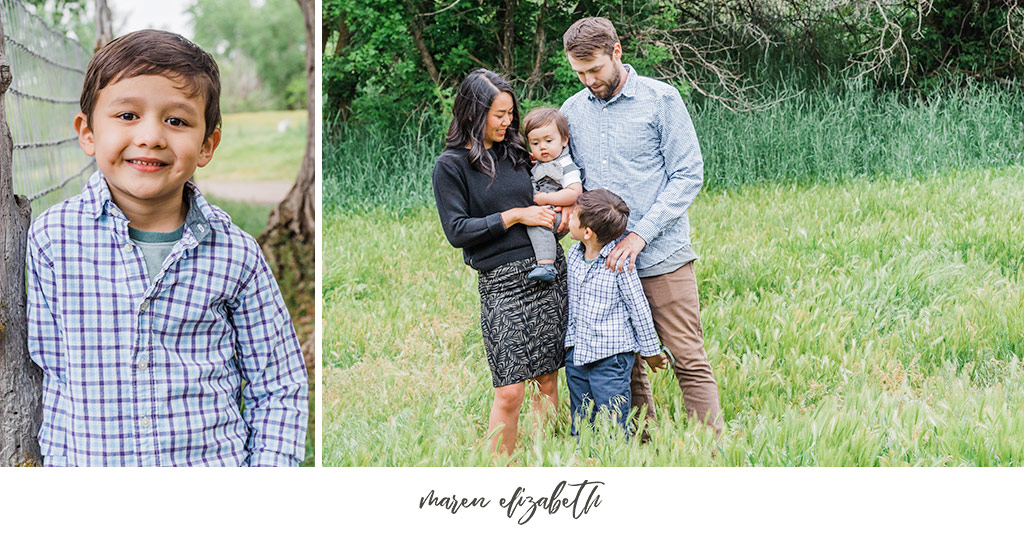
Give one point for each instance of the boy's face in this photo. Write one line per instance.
(575, 231)
(147, 137)
(546, 143)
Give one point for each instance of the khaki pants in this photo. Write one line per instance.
(676, 311)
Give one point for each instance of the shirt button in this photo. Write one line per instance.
(144, 306)
(128, 247)
(143, 365)
(145, 422)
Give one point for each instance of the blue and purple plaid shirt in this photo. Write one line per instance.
(608, 312)
(141, 374)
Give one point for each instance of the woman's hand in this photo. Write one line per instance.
(534, 215)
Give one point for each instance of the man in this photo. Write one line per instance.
(633, 136)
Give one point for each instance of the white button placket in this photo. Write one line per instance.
(137, 283)
(147, 451)
(605, 149)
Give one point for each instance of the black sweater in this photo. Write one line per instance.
(470, 207)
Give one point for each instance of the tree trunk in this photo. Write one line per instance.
(509, 36)
(416, 27)
(345, 103)
(539, 44)
(288, 241)
(21, 381)
(421, 46)
(104, 25)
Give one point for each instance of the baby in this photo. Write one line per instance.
(556, 181)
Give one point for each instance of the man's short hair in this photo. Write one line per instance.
(586, 37)
(604, 213)
(154, 52)
(539, 117)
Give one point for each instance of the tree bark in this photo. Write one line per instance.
(421, 45)
(509, 36)
(104, 25)
(344, 36)
(21, 381)
(288, 240)
(539, 44)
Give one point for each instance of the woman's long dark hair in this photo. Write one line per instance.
(469, 117)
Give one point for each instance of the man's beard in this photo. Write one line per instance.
(610, 88)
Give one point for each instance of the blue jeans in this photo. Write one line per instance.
(605, 382)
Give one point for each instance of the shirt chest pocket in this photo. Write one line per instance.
(635, 140)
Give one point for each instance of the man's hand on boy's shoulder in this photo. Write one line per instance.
(623, 256)
(656, 362)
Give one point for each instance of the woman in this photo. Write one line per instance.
(483, 191)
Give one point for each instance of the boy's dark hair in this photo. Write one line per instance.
(154, 52)
(604, 213)
(539, 117)
(586, 37)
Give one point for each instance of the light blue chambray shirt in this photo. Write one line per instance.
(149, 373)
(641, 145)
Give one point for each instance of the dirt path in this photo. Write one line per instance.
(259, 192)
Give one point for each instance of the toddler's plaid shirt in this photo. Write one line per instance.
(608, 312)
(140, 374)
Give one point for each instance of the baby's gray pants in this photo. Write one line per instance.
(542, 238)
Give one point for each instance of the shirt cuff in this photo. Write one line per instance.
(270, 458)
(651, 349)
(495, 225)
(647, 230)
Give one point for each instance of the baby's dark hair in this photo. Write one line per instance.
(154, 52)
(539, 117)
(604, 213)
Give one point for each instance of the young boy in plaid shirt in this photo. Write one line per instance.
(148, 309)
(609, 319)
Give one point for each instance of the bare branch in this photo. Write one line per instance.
(432, 13)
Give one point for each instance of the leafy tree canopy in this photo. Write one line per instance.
(384, 60)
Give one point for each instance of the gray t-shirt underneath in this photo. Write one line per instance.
(155, 247)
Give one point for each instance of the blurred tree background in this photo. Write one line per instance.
(384, 61)
(260, 48)
(257, 72)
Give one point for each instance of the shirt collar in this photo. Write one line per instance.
(96, 195)
(628, 89)
(605, 250)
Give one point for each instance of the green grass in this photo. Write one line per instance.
(251, 217)
(852, 322)
(252, 149)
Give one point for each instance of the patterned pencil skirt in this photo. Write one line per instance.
(523, 321)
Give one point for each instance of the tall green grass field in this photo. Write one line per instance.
(860, 276)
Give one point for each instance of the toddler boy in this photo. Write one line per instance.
(609, 318)
(148, 309)
(556, 181)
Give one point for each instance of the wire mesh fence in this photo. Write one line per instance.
(47, 69)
